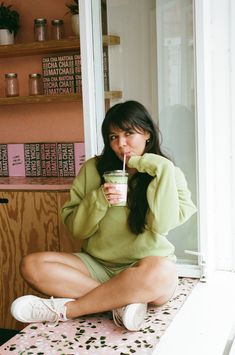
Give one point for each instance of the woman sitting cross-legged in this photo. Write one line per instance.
(126, 261)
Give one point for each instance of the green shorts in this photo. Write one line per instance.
(99, 271)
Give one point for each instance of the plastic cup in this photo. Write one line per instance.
(120, 179)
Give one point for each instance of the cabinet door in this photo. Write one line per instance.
(67, 243)
(28, 223)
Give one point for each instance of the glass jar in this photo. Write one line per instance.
(11, 85)
(40, 29)
(57, 29)
(35, 84)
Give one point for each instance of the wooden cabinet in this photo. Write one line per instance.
(29, 222)
(67, 243)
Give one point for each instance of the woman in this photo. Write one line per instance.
(126, 261)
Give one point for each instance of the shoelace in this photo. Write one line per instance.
(44, 310)
(117, 316)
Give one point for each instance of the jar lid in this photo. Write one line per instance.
(57, 22)
(40, 21)
(10, 75)
(34, 75)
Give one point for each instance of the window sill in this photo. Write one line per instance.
(205, 322)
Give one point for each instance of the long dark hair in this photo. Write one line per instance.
(130, 114)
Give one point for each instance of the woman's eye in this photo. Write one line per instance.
(111, 138)
(128, 133)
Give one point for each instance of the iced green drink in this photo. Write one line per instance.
(120, 179)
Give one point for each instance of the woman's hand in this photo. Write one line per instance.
(112, 194)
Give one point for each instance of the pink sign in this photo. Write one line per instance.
(16, 163)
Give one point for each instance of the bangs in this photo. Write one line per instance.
(126, 125)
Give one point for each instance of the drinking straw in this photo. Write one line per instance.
(124, 164)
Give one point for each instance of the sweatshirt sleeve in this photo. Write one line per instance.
(168, 196)
(87, 205)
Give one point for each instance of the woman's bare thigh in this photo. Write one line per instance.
(67, 259)
(57, 274)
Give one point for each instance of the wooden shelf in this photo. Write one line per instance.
(47, 47)
(42, 99)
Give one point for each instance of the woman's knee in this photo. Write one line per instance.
(157, 268)
(158, 276)
(31, 266)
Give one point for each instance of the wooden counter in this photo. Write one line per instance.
(20, 183)
(30, 221)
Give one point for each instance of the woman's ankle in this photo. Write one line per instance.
(71, 310)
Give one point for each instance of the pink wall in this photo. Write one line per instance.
(38, 122)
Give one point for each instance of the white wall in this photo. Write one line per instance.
(133, 63)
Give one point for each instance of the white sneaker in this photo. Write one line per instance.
(131, 316)
(30, 309)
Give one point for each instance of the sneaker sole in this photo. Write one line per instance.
(134, 316)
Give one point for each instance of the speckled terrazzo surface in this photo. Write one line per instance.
(97, 334)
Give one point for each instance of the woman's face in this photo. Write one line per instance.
(127, 142)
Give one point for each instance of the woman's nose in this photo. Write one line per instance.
(122, 142)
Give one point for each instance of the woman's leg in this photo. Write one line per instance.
(57, 274)
(152, 280)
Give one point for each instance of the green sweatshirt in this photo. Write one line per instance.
(104, 229)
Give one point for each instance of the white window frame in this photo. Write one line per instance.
(214, 31)
(93, 113)
(232, 69)
(91, 47)
(201, 36)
